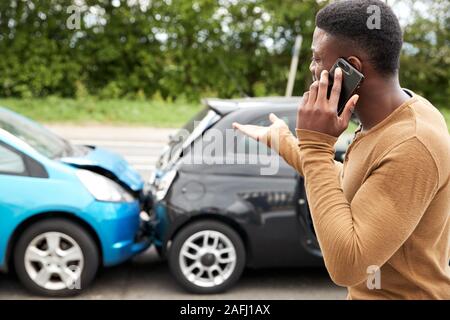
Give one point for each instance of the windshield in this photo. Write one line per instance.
(35, 135)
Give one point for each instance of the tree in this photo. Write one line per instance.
(425, 60)
(187, 48)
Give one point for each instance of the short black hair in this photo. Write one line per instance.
(349, 20)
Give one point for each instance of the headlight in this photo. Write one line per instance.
(164, 184)
(102, 188)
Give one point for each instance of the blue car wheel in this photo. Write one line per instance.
(56, 257)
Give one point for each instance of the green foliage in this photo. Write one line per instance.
(185, 49)
(171, 48)
(425, 61)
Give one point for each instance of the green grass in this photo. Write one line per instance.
(120, 112)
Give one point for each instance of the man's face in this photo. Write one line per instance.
(325, 52)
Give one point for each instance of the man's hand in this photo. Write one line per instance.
(261, 133)
(317, 113)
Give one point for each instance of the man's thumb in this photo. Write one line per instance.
(349, 107)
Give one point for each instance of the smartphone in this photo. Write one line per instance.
(351, 80)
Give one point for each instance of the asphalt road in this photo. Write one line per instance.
(148, 277)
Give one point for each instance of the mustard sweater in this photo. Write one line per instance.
(387, 206)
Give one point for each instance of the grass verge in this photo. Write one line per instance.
(121, 112)
(118, 111)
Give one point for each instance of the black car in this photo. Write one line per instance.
(214, 217)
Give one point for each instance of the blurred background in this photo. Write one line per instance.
(150, 62)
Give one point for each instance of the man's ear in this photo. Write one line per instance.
(355, 62)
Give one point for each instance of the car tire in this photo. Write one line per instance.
(219, 263)
(43, 253)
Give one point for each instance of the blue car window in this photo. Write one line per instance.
(10, 162)
(35, 135)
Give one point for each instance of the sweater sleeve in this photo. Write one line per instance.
(287, 146)
(382, 214)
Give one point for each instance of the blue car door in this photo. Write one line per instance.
(20, 176)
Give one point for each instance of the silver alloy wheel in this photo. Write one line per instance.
(54, 261)
(207, 258)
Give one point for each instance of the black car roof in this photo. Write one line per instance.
(225, 106)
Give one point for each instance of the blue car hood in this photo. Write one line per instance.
(109, 161)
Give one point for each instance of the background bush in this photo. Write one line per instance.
(171, 49)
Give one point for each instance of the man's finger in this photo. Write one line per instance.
(247, 129)
(304, 101)
(336, 90)
(312, 93)
(273, 117)
(348, 110)
(300, 107)
(304, 98)
(323, 87)
(242, 128)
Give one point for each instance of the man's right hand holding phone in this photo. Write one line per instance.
(318, 113)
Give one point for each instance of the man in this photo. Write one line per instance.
(388, 205)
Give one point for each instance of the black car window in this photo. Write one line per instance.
(11, 162)
(253, 147)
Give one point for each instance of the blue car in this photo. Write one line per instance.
(65, 210)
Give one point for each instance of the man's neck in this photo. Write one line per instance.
(378, 100)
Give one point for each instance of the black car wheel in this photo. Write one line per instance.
(207, 257)
(56, 257)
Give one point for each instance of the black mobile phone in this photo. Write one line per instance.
(351, 80)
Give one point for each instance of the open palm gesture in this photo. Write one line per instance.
(260, 133)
